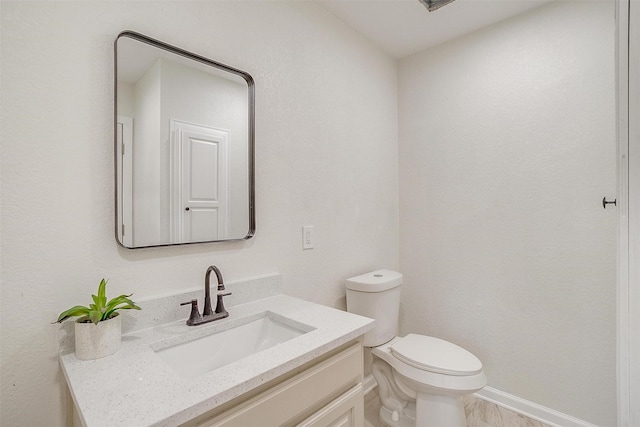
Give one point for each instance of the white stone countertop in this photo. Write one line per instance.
(135, 387)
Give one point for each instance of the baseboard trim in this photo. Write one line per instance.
(529, 409)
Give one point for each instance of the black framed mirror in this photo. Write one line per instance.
(184, 146)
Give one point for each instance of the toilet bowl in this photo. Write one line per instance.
(421, 380)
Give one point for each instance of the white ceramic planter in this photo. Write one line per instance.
(97, 341)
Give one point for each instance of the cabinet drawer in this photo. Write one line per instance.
(298, 396)
(345, 411)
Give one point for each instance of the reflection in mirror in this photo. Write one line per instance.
(183, 146)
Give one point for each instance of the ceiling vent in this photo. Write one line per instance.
(432, 5)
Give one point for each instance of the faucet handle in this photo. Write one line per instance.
(194, 317)
(220, 310)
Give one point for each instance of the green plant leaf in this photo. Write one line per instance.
(132, 306)
(95, 316)
(102, 294)
(118, 298)
(110, 315)
(78, 310)
(122, 299)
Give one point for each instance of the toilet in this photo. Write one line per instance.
(421, 380)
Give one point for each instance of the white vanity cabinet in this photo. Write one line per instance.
(325, 392)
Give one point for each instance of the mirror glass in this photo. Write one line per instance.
(184, 145)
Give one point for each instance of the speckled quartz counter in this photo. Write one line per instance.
(135, 387)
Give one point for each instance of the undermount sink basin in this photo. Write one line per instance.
(209, 352)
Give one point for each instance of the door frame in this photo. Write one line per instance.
(176, 130)
(124, 165)
(628, 283)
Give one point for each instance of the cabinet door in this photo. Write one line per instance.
(346, 411)
(300, 395)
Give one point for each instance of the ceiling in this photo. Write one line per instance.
(405, 27)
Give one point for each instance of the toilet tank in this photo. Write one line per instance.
(376, 295)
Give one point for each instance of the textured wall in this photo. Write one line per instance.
(326, 142)
(507, 146)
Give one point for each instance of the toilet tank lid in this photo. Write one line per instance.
(376, 281)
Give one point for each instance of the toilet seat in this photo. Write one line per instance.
(435, 355)
(426, 381)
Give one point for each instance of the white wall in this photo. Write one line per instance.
(147, 163)
(507, 146)
(326, 155)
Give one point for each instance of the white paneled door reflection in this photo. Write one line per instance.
(200, 206)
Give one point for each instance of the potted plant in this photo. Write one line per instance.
(98, 328)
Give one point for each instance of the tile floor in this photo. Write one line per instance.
(480, 413)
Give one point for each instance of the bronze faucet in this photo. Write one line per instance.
(208, 315)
